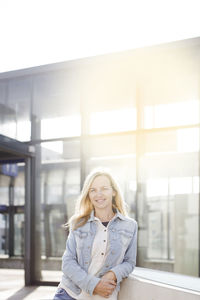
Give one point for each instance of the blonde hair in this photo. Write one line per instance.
(84, 206)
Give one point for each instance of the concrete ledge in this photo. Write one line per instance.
(135, 288)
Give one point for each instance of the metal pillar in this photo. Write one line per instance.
(11, 213)
(28, 261)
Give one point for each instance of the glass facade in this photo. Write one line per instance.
(12, 200)
(137, 114)
(169, 200)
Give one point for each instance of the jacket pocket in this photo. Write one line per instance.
(80, 238)
(125, 237)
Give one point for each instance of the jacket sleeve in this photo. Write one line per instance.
(73, 270)
(126, 267)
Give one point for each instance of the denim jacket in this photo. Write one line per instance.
(122, 235)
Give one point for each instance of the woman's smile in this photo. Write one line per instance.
(100, 201)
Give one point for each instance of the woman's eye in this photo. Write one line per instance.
(105, 188)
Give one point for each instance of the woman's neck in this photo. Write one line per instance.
(104, 216)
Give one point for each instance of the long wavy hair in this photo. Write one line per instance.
(84, 206)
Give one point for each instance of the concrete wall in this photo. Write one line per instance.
(134, 288)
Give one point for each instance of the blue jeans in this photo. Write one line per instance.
(61, 294)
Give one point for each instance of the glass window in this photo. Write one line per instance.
(15, 104)
(59, 184)
(19, 190)
(109, 146)
(172, 114)
(109, 97)
(169, 88)
(168, 201)
(113, 121)
(56, 104)
(61, 127)
(19, 227)
(12, 200)
(4, 189)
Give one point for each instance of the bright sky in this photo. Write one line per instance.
(37, 32)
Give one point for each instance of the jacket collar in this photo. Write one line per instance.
(117, 215)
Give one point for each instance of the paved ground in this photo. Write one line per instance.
(12, 287)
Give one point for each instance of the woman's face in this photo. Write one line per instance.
(101, 193)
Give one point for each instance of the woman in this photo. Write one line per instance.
(101, 246)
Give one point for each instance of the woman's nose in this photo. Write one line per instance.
(99, 191)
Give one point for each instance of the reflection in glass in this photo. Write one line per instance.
(12, 201)
(19, 227)
(4, 189)
(3, 234)
(60, 187)
(168, 202)
(19, 190)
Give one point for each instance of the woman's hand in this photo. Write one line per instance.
(110, 275)
(105, 287)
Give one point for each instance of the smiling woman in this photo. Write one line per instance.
(101, 247)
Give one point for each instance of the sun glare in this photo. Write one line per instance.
(61, 127)
(113, 121)
(20, 130)
(172, 114)
(172, 186)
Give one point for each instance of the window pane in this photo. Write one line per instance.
(168, 202)
(111, 146)
(59, 183)
(113, 121)
(109, 96)
(57, 104)
(169, 88)
(15, 107)
(173, 114)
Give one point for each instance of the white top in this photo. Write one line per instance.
(99, 254)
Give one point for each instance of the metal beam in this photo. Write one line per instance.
(15, 148)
